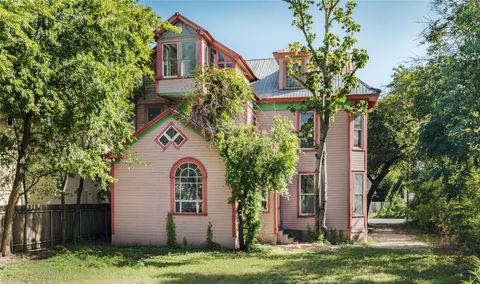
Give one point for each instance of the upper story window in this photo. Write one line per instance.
(290, 82)
(153, 111)
(205, 55)
(306, 130)
(220, 60)
(264, 200)
(179, 58)
(358, 131)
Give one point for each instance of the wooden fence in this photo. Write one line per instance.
(44, 226)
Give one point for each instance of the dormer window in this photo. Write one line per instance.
(220, 60)
(290, 82)
(179, 58)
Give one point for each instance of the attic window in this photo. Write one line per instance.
(171, 135)
(290, 82)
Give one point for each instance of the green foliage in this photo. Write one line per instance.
(475, 271)
(210, 243)
(254, 161)
(171, 232)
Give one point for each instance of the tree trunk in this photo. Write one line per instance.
(321, 188)
(64, 209)
(241, 237)
(25, 220)
(17, 184)
(76, 219)
(371, 192)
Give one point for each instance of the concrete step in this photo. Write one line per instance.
(284, 239)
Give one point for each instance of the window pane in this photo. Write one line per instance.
(307, 130)
(171, 132)
(200, 207)
(221, 57)
(189, 192)
(307, 184)
(205, 55)
(177, 207)
(358, 205)
(358, 183)
(212, 55)
(358, 121)
(153, 112)
(291, 82)
(189, 57)
(177, 190)
(307, 204)
(189, 207)
(357, 138)
(178, 140)
(164, 140)
(170, 64)
(200, 190)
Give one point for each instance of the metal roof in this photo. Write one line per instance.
(266, 70)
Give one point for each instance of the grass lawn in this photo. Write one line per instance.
(143, 264)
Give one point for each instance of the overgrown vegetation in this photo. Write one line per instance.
(171, 229)
(436, 102)
(254, 161)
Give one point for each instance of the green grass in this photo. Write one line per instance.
(143, 264)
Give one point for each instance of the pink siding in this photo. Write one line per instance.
(337, 147)
(142, 193)
(175, 85)
(358, 224)
(267, 232)
(358, 160)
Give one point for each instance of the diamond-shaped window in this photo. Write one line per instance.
(171, 135)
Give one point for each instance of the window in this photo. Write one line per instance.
(188, 58)
(290, 82)
(358, 194)
(183, 54)
(224, 62)
(307, 195)
(171, 136)
(205, 55)
(264, 200)
(358, 131)
(170, 60)
(153, 111)
(10, 122)
(188, 187)
(307, 130)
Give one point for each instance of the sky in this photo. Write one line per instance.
(390, 29)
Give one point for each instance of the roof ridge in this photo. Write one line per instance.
(269, 58)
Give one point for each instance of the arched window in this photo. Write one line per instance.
(189, 192)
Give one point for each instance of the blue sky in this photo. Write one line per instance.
(390, 30)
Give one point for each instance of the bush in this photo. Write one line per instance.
(171, 232)
(210, 244)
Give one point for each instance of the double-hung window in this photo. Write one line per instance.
(358, 131)
(307, 195)
(179, 54)
(307, 130)
(290, 82)
(358, 194)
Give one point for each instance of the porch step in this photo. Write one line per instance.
(284, 239)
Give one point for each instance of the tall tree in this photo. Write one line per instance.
(254, 161)
(49, 49)
(325, 63)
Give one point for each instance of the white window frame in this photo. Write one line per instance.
(180, 60)
(171, 139)
(163, 60)
(297, 84)
(264, 196)
(198, 183)
(359, 129)
(300, 194)
(359, 193)
(180, 70)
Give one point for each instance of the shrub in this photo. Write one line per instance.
(210, 244)
(171, 232)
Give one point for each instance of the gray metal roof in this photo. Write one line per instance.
(266, 86)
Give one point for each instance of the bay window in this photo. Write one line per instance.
(358, 194)
(358, 131)
(179, 54)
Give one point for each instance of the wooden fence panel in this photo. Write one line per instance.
(44, 224)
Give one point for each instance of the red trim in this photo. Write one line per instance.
(204, 186)
(112, 200)
(171, 124)
(298, 195)
(365, 191)
(369, 97)
(315, 129)
(234, 221)
(275, 212)
(350, 181)
(177, 16)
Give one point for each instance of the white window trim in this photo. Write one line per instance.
(300, 196)
(171, 139)
(199, 181)
(361, 129)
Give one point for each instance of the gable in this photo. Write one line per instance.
(187, 31)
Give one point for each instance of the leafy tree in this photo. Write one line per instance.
(253, 161)
(54, 53)
(393, 128)
(325, 63)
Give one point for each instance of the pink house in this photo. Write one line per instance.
(181, 172)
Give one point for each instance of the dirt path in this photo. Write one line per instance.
(394, 236)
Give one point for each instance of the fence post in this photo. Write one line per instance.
(51, 228)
